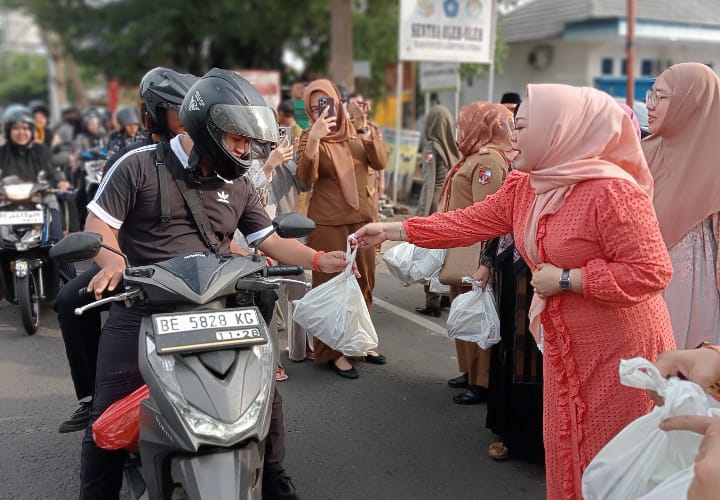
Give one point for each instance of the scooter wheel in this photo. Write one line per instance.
(29, 303)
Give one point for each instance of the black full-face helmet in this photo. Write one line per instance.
(162, 88)
(19, 116)
(223, 102)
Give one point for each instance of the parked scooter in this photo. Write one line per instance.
(209, 365)
(28, 275)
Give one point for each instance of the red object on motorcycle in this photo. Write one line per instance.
(119, 426)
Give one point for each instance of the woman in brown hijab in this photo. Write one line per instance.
(484, 131)
(439, 155)
(684, 119)
(339, 160)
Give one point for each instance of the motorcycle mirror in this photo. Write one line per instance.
(76, 247)
(293, 225)
(290, 225)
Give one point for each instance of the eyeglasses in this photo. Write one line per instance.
(652, 97)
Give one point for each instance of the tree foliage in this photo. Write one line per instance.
(25, 78)
(123, 38)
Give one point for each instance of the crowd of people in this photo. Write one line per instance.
(600, 246)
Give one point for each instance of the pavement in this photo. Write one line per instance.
(392, 434)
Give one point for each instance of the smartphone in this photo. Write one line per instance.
(326, 102)
(285, 137)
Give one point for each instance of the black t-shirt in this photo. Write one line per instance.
(128, 199)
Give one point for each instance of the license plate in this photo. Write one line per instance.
(21, 217)
(207, 330)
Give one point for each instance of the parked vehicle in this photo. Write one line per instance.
(209, 365)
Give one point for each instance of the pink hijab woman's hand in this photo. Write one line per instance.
(546, 280)
(376, 232)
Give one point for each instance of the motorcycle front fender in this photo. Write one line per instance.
(232, 473)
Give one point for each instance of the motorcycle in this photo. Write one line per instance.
(88, 178)
(209, 365)
(28, 275)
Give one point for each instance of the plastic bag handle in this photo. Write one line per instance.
(642, 374)
(350, 255)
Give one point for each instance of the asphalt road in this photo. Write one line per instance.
(393, 434)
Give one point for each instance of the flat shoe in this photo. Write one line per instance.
(498, 451)
(377, 359)
(429, 311)
(460, 382)
(470, 398)
(350, 373)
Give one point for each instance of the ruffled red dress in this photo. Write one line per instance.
(607, 228)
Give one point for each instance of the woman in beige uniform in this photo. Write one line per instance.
(340, 160)
(484, 131)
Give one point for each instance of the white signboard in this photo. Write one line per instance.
(266, 82)
(445, 30)
(437, 76)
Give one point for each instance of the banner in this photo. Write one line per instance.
(445, 30)
(437, 76)
(409, 144)
(267, 82)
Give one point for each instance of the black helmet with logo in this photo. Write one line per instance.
(223, 102)
(162, 88)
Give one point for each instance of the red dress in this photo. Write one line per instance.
(608, 228)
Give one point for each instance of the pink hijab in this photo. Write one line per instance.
(574, 134)
(683, 154)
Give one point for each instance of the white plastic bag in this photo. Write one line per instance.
(412, 264)
(336, 313)
(643, 460)
(473, 316)
(437, 287)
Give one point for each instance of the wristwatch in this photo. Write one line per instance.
(362, 130)
(565, 280)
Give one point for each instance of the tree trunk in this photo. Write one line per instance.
(81, 100)
(57, 87)
(341, 44)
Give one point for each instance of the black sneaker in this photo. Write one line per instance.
(277, 485)
(79, 419)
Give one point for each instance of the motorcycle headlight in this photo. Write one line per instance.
(199, 422)
(17, 192)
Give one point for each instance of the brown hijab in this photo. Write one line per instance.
(683, 153)
(481, 124)
(335, 145)
(439, 132)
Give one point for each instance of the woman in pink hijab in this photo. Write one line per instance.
(684, 119)
(579, 206)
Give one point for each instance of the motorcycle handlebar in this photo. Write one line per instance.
(283, 271)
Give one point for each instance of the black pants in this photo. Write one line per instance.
(117, 376)
(81, 334)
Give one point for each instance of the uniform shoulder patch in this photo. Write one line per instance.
(485, 176)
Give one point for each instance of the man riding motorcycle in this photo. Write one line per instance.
(224, 116)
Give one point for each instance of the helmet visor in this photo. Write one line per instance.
(255, 122)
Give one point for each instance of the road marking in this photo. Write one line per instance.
(434, 328)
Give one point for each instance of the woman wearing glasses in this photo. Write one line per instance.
(684, 119)
(579, 207)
